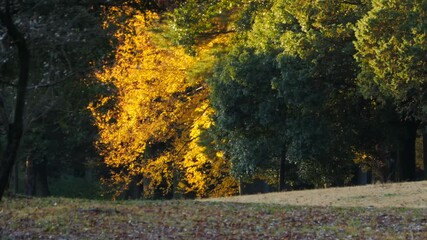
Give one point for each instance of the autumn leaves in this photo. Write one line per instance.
(150, 124)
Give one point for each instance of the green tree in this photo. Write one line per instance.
(248, 114)
(198, 21)
(392, 51)
(300, 57)
(216, 19)
(317, 83)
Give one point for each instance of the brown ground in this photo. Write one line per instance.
(408, 195)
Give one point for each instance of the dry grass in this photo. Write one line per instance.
(407, 195)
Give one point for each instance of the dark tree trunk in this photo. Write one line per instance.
(30, 177)
(282, 173)
(16, 178)
(9, 157)
(16, 128)
(42, 185)
(163, 191)
(406, 158)
(256, 186)
(136, 189)
(425, 151)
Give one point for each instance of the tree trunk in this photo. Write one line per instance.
(16, 178)
(163, 191)
(136, 188)
(30, 177)
(16, 128)
(282, 174)
(41, 179)
(425, 151)
(9, 158)
(407, 153)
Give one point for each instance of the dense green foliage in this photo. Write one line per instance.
(249, 114)
(392, 52)
(391, 45)
(299, 60)
(299, 96)
(317, 71)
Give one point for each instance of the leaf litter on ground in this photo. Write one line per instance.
(60, 218)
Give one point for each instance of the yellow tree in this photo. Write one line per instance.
(145, 124)
(205, 171)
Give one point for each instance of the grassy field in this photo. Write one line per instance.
(60, 218)
(396, 195)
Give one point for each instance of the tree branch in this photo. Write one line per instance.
(357, 3)
(8, 84)
(50, 84)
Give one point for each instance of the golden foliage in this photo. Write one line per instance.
(150, 125)
(207, 174)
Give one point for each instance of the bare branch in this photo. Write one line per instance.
(8, 84)
(46, 85)
(357, 3)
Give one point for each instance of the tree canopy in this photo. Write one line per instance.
(155, 115)
(191, 98)
(391, 49)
